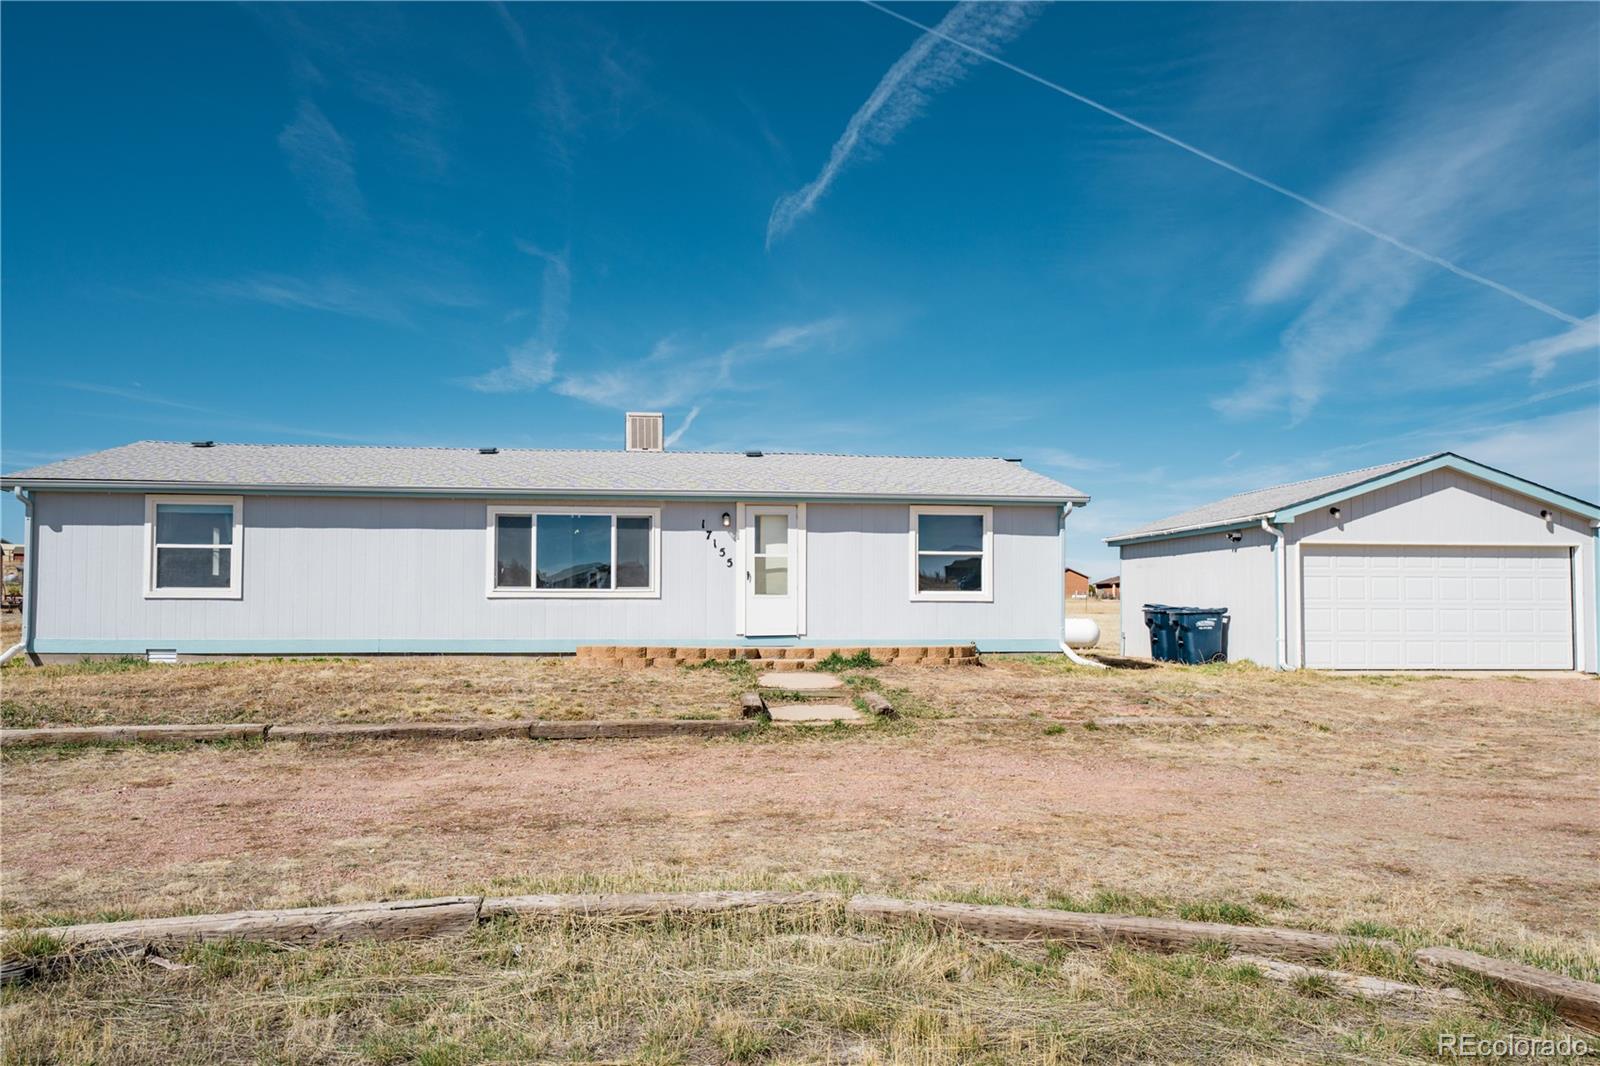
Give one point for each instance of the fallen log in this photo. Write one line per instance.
(399, 731)
(648, 904)
(122, 734)
(751, 705)
(400, 919)
(1355, 986)
(1576, 1001)
(1101, 930)
(641, 727)
(878, 704)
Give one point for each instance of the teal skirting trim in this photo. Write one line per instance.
(67, 646)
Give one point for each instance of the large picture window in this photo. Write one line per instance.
(951, 553)
(193, 546)
(572, 552)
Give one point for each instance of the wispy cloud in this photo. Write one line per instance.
(931, 65)
(191, 414)
(324, 164)
(532, 364)
(674, 374)
(688, 420)
(333, 294)
(418, 112)
(1542, 355)
(1447, 168)
(1561, 450)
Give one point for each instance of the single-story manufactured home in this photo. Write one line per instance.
(237, 549)
(1434, 563)
(1109, 588)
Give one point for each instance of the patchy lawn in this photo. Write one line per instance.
(760, 987)
(1442, 809)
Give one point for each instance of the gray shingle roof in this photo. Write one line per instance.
(577, 473)
(1262, 503)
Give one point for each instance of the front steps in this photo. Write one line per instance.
(640, 657)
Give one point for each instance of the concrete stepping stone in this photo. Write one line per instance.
(814, 712)
(801, 682)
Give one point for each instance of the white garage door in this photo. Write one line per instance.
(1427, 608)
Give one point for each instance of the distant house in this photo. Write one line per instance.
(1108, 588)
(1432, 563)
(1077, 584)
(231, 549)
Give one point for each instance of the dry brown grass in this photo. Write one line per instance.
(404, 688)
(1442, 809)
(762, 987)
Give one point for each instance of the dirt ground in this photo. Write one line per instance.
(1461, 806)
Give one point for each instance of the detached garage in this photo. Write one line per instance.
(1436, 563)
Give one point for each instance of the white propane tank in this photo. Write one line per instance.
(1081, 633)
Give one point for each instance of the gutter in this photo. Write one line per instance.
(26, 643)
(462, 492)
(1279, 591)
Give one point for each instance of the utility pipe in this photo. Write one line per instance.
(1071, 655)
(27, 568)
(1280, 583)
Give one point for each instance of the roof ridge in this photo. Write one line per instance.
(1398, 463)
(559, 451)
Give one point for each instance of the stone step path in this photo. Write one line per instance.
(811, 681)
(814, 712)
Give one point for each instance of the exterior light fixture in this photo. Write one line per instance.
(1334, 512)
(1236, 536)
(727, 519)
(1546, 515)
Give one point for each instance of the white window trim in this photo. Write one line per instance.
(652, 593)
(987, 594)
(235, 589)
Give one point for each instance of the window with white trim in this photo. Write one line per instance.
(559, 552)
(952, 553)
(193, 546)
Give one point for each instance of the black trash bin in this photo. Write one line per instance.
(1163, 638)
(1200, 633)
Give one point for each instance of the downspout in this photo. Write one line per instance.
(1594, 604)
(1279, 586)
(25, 644)
(1071, 655)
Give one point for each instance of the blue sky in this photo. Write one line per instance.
(813, 227)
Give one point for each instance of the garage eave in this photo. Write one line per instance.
(1193, 531)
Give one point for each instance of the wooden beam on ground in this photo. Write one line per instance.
(1576, 1001)
(1355, 986)
(641, 727)
(878, 704)
(1101, 930)
(649, 904)
(751, 705)
(124, 734)
(400, 919)
(399, 731)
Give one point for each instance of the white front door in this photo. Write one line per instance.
(771, 575)
(1426, 608)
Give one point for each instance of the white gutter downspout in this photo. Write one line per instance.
(1071, 655)
(1280, 583)
(27, 569)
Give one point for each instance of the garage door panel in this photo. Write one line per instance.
(1419, 607)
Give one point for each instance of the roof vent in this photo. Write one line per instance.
(1011, 460)
(203, 443)
(488, 451)
(752, 455)
(644, 431)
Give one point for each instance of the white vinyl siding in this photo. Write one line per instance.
(1418, 607)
